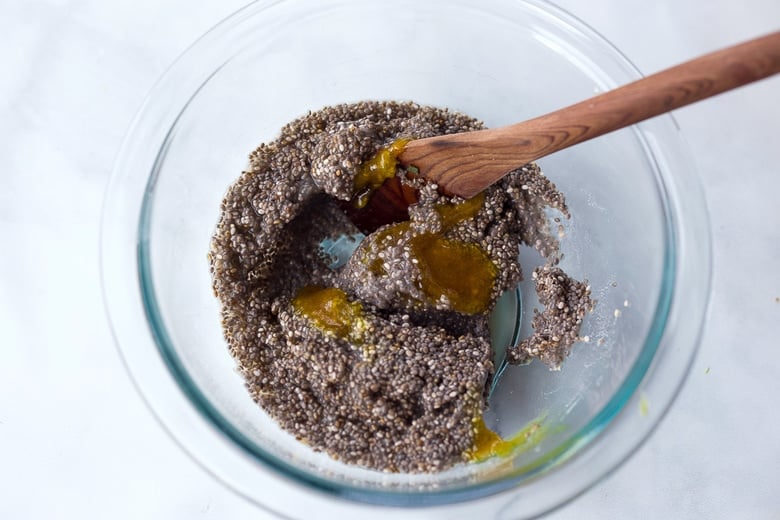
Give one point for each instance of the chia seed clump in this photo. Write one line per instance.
(556, 329)
(402, 392)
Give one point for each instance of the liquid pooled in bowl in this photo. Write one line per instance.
(384, 361)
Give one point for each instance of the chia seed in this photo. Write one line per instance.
(405, 399)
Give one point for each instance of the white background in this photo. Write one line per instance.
(75, 438)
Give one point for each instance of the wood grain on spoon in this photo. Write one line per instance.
(467, 163)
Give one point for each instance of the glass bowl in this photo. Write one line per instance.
(639, 233)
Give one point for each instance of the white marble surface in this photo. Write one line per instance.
(75, 438)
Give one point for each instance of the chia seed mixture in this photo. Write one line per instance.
(399, 385)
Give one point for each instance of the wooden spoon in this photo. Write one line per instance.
(467, 163)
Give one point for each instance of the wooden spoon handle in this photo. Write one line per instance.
(465, 164)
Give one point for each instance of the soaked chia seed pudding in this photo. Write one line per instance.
(383, 362)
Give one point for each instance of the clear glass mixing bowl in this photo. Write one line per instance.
(639, 234)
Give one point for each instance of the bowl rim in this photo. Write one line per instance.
(174, 368)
